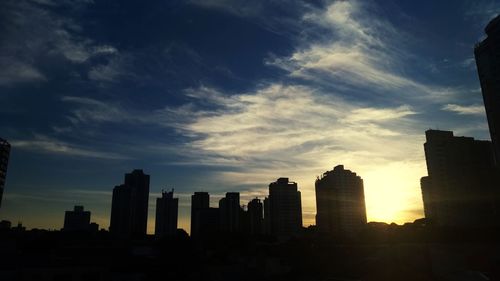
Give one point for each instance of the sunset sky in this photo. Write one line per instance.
(229, 95)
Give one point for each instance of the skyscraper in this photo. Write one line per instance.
(340, 202)
(285, 208)
(77, 220)
(199, 201)
(229, 209)
(4, 161)
(255, 216)
(488, 66)
(460, 189)
(129, 207)
(166, 214)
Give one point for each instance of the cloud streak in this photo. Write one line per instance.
(49, 145)
(475, 109)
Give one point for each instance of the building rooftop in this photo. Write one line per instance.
(493, 26)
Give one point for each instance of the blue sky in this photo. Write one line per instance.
(228, 95)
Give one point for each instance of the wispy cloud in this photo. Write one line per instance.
(482, 10)
(51, 36)
(359, 50)
(475, 109)
(46, 144)
(298, 131)
(16, 71)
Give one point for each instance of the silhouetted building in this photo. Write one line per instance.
(129, 208)
(166, 214)
(19, 227)
(207, 222)
(76, 220)
(460, 187)
(93, 227)
(199, 201)
(4, 162)
(255, 219)
(5, 224)
(267, 216)
(340, 202)
(284, 208)
(229, 209)
(488, 66)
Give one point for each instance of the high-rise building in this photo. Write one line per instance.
(460, 189)
(267, 216)
(207, 222)
(129, 207)
(229, 209)
(488, 66)
(166, 214)
(199, 201)
(340, 202)
(77, 220)
(255, 219)
(285, 208)
(4, 161)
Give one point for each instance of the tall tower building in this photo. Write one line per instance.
(77, 220)
(255, 219)
(229, 209)
(461, 187)
(129, 207)
(200, 201)
(285, 208)
(488, 66)
(166, 214)
(4, 161)
(340, 202)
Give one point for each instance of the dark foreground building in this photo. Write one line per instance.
(129, 207)
(200, 201)
(488, 66)
(166, 214)
(4, 161)
(283, 209)
(77, 220)
(230, 212)
(340, 202)
(461, 189)
(255, 217)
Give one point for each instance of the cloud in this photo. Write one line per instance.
(15, 71)
(277, 16)
(91, 110)
(357, 50)
(476, 109)
(298, 131)
(482, 10)
(46, 144)
(35, 32)
(107, 72)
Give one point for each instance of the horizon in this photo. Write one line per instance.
(223, 96)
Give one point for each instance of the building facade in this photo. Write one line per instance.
(284, 208)
(166, 214)
(340, 202)
(129, 206)
(200, 201)
(230, 212)
(77, 220)
(487, 55)
(255, 217)
(461, 187)
(4, 162)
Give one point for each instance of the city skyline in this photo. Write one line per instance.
(324, 89)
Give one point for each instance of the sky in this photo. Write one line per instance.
(229, 95)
